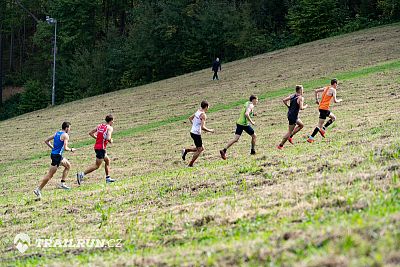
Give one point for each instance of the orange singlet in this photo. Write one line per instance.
(326, 99)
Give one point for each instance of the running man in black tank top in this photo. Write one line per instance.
(295, 124)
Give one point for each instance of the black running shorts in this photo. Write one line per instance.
(197, 140)
(292, 120)
(324, 113)
(241, 128)
(56, 160)
(100, 153)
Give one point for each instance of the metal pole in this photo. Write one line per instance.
(53, 90)
(1, 67)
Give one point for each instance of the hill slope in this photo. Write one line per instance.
(333, 202)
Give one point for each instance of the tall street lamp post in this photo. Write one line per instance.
(53, 89)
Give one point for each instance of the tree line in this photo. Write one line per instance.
(106, 45)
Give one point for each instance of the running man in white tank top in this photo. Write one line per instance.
(198, 121)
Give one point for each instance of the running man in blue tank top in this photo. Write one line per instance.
(295, 124)
(60, 144)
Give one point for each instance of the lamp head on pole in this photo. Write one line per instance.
(50, 20)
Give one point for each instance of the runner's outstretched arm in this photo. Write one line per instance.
(301, 104)
(286, 100)
(92, 133)
(66, 139)
(320, 90)
(334, 97)
(191, 119)
(47, 141)
(247, 114)
(203, 124)
(110, 131)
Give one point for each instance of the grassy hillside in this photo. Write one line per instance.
(332, 203)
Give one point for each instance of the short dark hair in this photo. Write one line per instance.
(333, 81)
(252, 97)
(109, 118)
(204, 104)
(298, 88)
(65, 125)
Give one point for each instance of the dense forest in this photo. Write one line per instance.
(106, 45)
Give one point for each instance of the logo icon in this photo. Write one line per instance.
(22, 242)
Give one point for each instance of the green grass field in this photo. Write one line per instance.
(335, 202)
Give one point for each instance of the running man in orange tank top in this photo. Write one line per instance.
(328, 93)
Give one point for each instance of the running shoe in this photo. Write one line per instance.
(37, 193)
(109, 180)
(79, 177)
(322, 132)
(63, 186)
(223, 154)
(291, 140)
(183, 154)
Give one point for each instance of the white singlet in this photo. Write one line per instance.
(196, 126)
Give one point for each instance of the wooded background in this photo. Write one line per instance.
(106, 45)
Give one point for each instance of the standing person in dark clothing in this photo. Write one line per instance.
(216, 65)
(295, 124)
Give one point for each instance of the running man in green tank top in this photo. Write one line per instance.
(244, 124)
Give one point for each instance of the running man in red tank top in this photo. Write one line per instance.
(328, 93)
(103, 135)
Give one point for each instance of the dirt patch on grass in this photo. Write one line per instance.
(203, 221)
(393, 259)
(330, 261)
